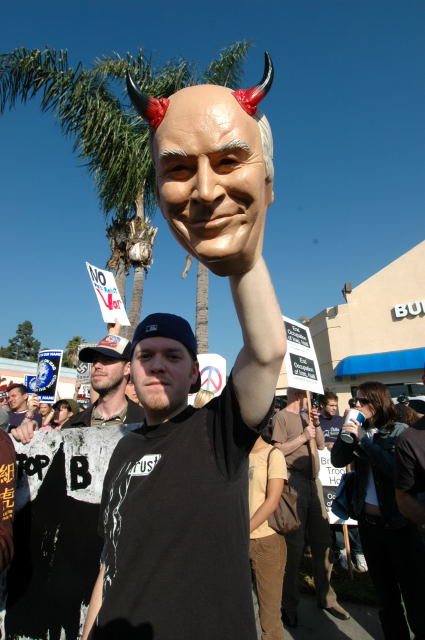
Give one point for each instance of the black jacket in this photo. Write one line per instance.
(135, 414)
(377, 452)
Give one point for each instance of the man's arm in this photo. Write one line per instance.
(410, 507)
(258, 364)
(95, 603)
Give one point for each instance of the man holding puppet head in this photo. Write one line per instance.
(174, 507)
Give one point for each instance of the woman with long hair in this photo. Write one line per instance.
(393, 548)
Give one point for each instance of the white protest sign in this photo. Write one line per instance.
(301, 363)
(108, 296)
(330, 477)
(212, 368)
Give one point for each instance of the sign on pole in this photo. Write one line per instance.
(302, 367)
(48, 371)
(110, 303)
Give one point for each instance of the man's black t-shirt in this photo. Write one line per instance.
(175, 523)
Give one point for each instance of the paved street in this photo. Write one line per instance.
(315, 624)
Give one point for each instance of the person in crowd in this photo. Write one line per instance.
(330, 421)
(4, 420)
(202, 398)
(22, 407)
(393, 548)
(299, 439)
(331, 424)
(214, 185)
(110, 371)
(267, 549)
(406, 414)
(63, 410)
(7, 499)
(46, 411)
(130, 392)
(410, 473)
(3, 400)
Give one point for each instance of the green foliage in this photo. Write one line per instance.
(23, 346)
(92, 106)
(70, 355)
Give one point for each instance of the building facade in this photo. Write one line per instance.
(377, 334)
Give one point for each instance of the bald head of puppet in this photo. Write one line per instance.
(212, 151)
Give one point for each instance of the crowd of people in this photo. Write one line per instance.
(386, 454)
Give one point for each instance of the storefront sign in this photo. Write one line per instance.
(409, 309)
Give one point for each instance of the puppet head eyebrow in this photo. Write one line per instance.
(170, 153)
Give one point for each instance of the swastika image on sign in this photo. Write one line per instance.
(211, 379)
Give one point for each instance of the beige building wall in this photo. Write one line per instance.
(367, 323)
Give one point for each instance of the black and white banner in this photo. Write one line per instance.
(57, 546)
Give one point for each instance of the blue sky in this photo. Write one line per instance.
(347, 112)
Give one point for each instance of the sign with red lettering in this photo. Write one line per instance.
(108, 296)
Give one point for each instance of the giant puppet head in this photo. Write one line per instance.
(212, 152)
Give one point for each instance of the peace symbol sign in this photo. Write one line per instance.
(211, 379)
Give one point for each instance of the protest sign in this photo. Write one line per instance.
(212, 368)
(302, 367)
(57, 547)
(31, 383)
(48, 371)
(110, 303)
(330, 477)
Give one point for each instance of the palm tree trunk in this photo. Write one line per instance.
(201, 329)
(136, 300)
(120, 277)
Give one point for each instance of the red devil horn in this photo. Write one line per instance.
(249, 98)
(152, 110)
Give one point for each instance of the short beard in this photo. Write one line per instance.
(107, 390)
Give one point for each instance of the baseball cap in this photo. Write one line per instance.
(111, 346)
(168, 325)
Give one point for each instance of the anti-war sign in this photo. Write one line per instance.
(301, 363)
(57, 547)
(330, 477)
(107, 294)
(48, 371)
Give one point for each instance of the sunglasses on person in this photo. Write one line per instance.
(362, 401)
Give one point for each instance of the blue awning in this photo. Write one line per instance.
(380, 362)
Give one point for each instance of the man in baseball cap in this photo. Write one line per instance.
(176, 564)
(110, 370)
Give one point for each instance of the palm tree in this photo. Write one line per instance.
(70, 356)
(107, 135)
(112, 139)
